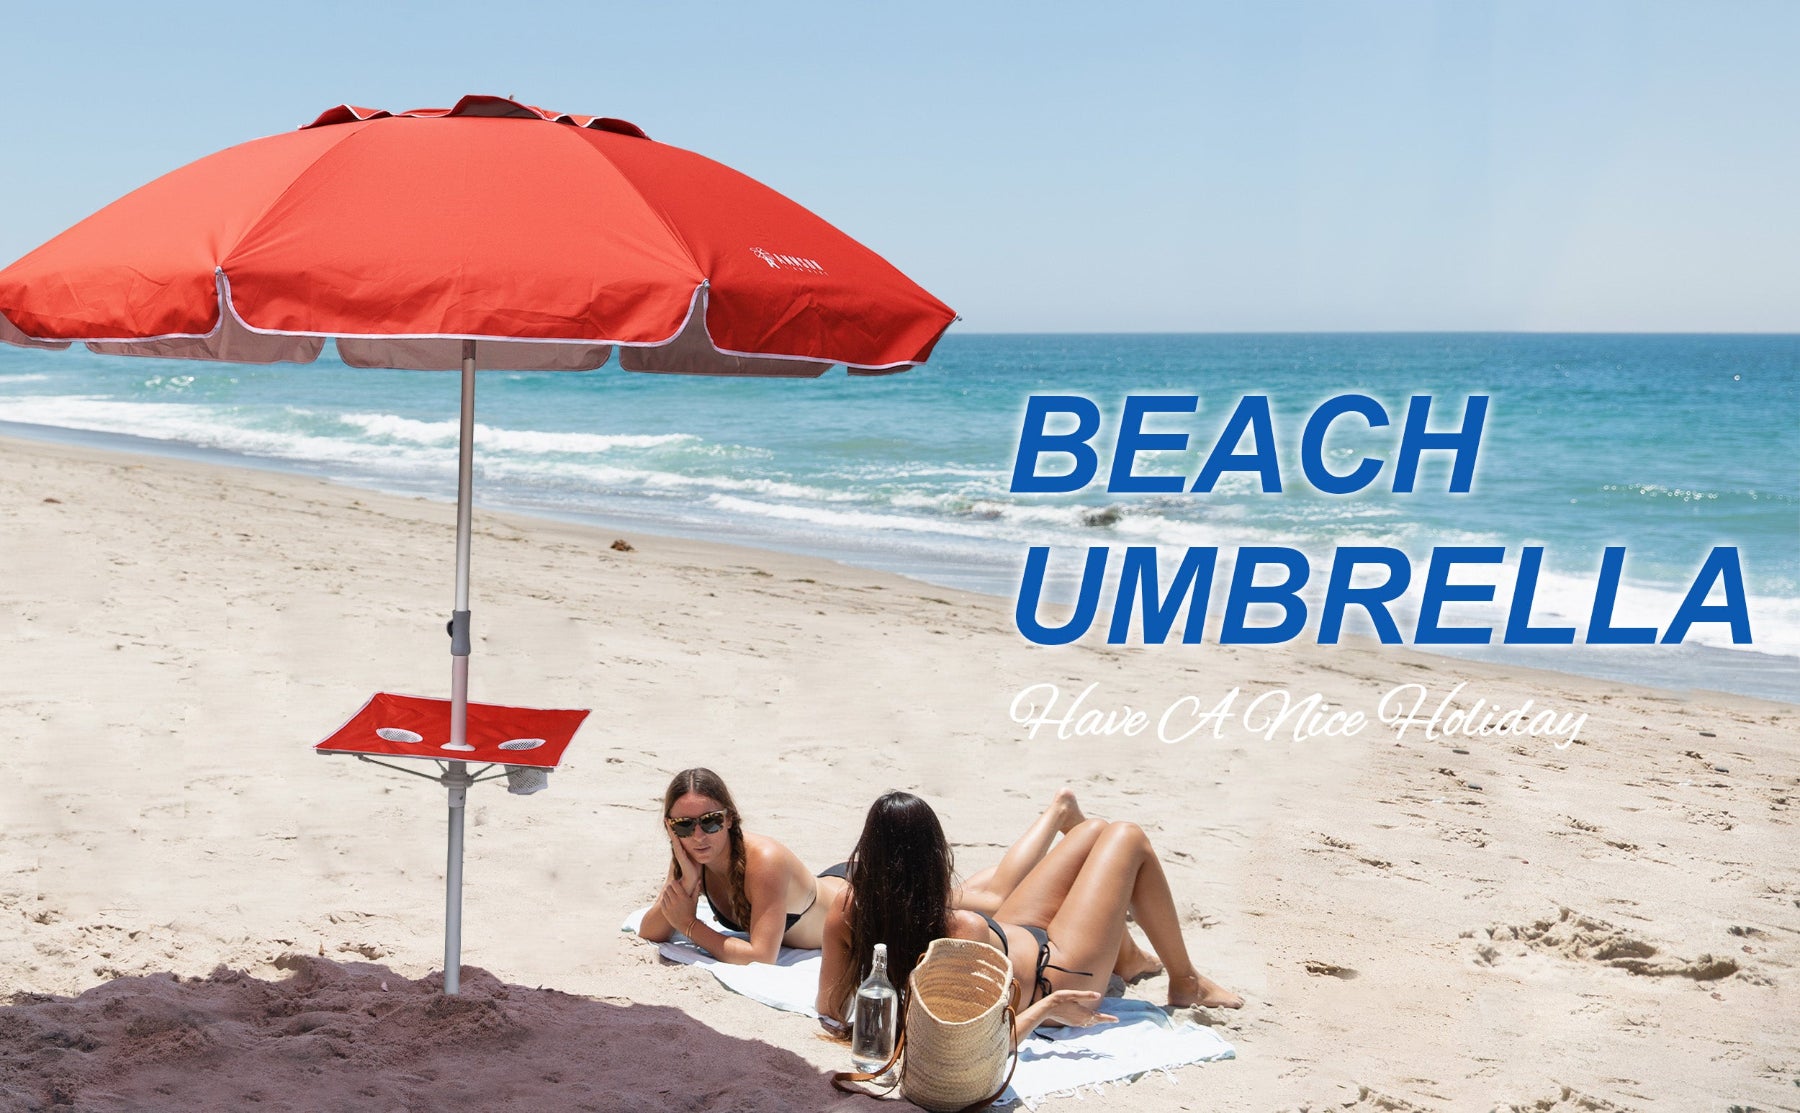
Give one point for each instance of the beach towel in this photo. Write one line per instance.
(1053, 1062)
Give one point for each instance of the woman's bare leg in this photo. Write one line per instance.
(985, 891)
(1036, 900)
(1133, 964)
(1121, 872)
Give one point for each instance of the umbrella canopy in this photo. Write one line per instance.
(556, 237)
(491, 235)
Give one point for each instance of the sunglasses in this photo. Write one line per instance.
(710, 823)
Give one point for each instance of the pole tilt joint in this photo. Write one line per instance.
(458, 629)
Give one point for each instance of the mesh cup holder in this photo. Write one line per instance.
(523, 780)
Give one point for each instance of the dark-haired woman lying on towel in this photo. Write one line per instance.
(1062, 927)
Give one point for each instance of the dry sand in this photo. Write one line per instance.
(1449, 923)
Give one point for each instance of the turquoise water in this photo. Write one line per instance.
(1668, 445)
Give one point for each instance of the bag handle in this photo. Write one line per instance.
(851, 1081)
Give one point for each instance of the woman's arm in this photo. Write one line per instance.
(674, 906)
(655, 926)
(1073, 1008)
(835, 966)
(765, 887)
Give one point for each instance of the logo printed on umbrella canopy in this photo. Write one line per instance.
(787, 262)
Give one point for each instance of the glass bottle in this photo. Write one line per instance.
(874, 1020)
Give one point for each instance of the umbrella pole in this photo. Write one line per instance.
(456, 778)
(459, 618)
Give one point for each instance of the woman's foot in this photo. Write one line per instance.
(1201, 991)
(1068, 812)
(1135, 964)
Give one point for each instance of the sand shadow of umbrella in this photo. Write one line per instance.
(358, 1036)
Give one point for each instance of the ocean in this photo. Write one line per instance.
(1667, 445)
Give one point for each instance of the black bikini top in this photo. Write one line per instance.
(726, 922)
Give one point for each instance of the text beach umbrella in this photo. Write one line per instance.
(491, 235)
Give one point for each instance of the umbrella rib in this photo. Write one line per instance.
(687, 249)
(293, 183)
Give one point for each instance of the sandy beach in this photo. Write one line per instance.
(1458, 921)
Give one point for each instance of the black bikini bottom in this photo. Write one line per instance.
(1042, 936)
(1042, 987)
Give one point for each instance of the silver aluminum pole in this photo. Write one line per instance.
(459, 618)
(457, 779)
(458, 782)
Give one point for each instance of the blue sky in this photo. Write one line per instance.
(1601, 165)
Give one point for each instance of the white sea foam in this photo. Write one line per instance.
(603, 478)
(846, 520)
(392, 427)
(161, 420)
(208, 426)
(525, 441)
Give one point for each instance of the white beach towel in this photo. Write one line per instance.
(1053, 1062)
(789, 983)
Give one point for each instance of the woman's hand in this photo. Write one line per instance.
(689, 871)
(1073, 1008)
(680, 898)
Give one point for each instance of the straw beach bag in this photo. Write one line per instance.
(955, 1048)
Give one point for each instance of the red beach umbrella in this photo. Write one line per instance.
(491, 235)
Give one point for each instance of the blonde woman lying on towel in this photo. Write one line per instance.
(753, 883)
